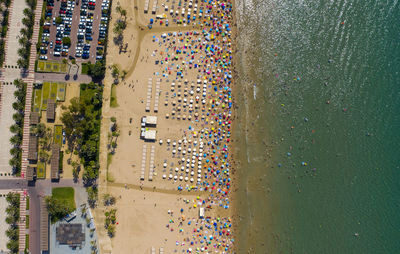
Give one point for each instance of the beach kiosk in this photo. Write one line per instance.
(150, 135)
(149, 121)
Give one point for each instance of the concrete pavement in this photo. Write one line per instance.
(59, 77)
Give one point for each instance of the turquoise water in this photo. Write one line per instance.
(318, 85)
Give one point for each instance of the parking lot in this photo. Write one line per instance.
(74, 29)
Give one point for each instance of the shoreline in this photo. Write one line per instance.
(125, 165)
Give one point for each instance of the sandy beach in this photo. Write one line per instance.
(165, 174)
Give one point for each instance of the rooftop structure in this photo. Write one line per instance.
(30, 173)
(150, 121)
(70, 234)
(51, 110)
(34, 118)
(33, 148)
(55, 162)
(150, 135)
(44, 226)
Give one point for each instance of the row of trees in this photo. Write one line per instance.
(110, 221)
(17, 128)
(81, 121)
(119, 27)
(4, 26)
(26, 35)
(12, 219)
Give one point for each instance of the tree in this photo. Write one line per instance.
(108, 199)
(59, 20)
(111, 230)
(56, 208)
(15, 128)
(97, 70)
(66, 41)
(28, 13)
(123, 75)
(18, 106)
(43, 156)
(123, 13)
(27, 22)
(16, 140)
(13, 246)
(115, 71)
(89, 175)
(92, 196)
(12, 234)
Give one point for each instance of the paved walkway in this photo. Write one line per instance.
(15, 25)
(57, 77)
(6, 120)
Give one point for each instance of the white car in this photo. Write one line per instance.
(42, 57)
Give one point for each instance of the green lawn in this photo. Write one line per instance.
(53, 91)
(38, 100)
(40, 65)
(61, 89)
(113, 100)
(41, 170)
(85, 68)
(49, 90)
(65, 195)
(51, 66)
(26, 242)
(58, 134)
(27, 221)
(45, 94)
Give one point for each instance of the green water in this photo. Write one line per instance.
(327, 92)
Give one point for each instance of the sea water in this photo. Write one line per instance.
(318, 128)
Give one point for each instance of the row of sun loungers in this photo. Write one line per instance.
(153, 250)
(148, 99)
(151, 168)
(154, 7)
(144, 157)
(157, 95)
(146, 6)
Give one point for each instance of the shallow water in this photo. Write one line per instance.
(319, 85)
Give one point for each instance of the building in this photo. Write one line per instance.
(150, 121)
(51, 110)
(30, 173)
(150, 135)
(33, 148)
(44, 227)
(71, 234)
(34, 118)
(55, 162)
